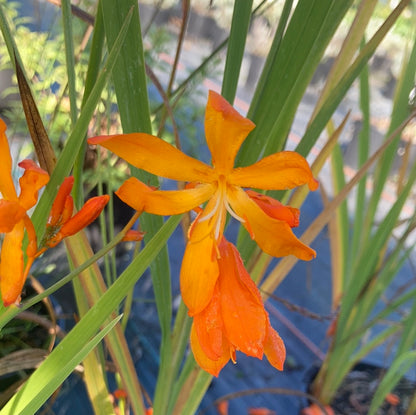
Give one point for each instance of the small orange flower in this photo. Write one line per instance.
(392, 399)
(14, 220)
(61, 223)
(120, 394)
(316, 410)
(222, 408)
(217, 331)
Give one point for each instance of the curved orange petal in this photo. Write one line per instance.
(199, 274)
(33, 179)
(242, 311)
(6, 181)
(209, 327)
(162, 202)
(275, 209)
(61, 202)
(211, 366)
(284, 170)
(156, 156)
(12, 277)
(225, 131)
(211, 221)
(274, 348)
(10, 213)
(86, 215)
(273, 236)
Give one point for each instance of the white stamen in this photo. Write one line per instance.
(232, 213)
(213, 211)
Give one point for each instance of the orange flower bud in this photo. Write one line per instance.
(133, 235)
(120, 394)
(88, 213)
(68, 210)
(222, 408)
(392, 399)
(60, 203)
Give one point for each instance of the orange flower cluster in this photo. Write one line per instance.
(14, 220)
(226, 306)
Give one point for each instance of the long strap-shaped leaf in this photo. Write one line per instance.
(132, 98)
(79, 248)
(310, 29)
(235, 51)
(49, 376)
(92, 321)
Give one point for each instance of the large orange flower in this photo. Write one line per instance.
(234, 319)
(221, 186)
(14, 220)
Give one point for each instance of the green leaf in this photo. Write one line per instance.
(399, 367)
(99, 313)
(235, 51)
(311, 27)
(400, 111)
(51, 373)
(75, 140)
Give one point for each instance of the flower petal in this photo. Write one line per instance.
(209, 327)
(10, 213)
(60, 204)
(12, 277)
(225, 131)
(199, 274)
(284, 170)
(86, 215)
(274, 348)
(275, 209)
(6, 181)
(162, 202)
(33, 179)
(156, 156)
(242, 310)
(211, 366)
(273, 236)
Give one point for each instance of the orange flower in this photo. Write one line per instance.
(221, 186)
(234, 319)
(14, 220)
(61, 223)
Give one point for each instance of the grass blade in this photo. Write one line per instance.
(235, 50)
(52, 372)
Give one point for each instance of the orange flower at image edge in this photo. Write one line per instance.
(208, 256)
(14, 220)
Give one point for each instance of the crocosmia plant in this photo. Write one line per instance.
(164, 248)
(215, 286)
